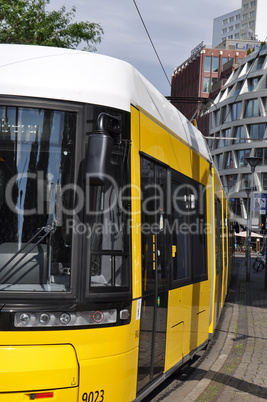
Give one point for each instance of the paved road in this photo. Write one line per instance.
(234, 366)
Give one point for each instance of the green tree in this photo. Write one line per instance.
(26, 22)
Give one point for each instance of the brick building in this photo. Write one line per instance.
(201, 77)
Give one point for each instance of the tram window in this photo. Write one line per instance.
(188, 231)
(225, 239)
(37, 159)
(180, 238)
(155, 239)
(108, 211)
(218, 238)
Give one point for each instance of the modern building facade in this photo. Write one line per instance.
(246, 23)
(200, 78)
(226, 26)
(238, 130)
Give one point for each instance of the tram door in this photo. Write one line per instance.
(155, 272)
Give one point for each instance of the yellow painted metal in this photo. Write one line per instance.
(91, 345)
(213, 240)
(37, 367)
(136, 204)
(169, 149)
(218, 280)
(188, 321)
(188, 307)
(115, 376)
(108, 357)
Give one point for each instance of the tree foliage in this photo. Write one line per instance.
(26, 22)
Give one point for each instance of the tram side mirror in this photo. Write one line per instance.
(98, 157)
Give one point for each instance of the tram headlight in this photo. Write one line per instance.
(23, 319)
(98, 316)
(65, 319)
(44, 319)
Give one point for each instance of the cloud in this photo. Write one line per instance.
(175, 27)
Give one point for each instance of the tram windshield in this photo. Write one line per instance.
(36, 169)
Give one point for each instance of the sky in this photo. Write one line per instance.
(175, 27)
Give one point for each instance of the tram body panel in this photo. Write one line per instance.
(188, 306)
(40, 365)
(170, 149)
(97, 364)
(102, 377)
(188, 322)
(136, 199)
(168, 280)
(154, 140)
(218, 234)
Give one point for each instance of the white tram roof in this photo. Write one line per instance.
(72, 75)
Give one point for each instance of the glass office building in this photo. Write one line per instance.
(238, 130)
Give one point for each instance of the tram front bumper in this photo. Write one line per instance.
(29, 369)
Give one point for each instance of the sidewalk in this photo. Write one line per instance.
(234, 367)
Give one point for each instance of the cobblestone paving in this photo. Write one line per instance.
(234, 368)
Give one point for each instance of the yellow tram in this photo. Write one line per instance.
(114, 239)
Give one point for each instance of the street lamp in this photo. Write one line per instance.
(253, 161)
(247, 190)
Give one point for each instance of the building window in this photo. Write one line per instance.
(239, 134)
(252, 14)
(245, 16)
(220, 158)
(230, 37)
(264, 181)
(260, 63)
(231, 19)
(237, 26)
(252, 83)
(251, 24)
(231, 28)
(207, 64)
(224, 60)
(244, 36)
(235, 111)
(227, 134)
(223, 115)
(252, 108)
(237, 36)
(238, 87)
(245, 181)
(225, 22)
(231, 182)
(256, 131)
(244, 26)
(229, 161)
(259, 154)
(241, 157)
(265, 100)
(262, 153)
(253, 3)
(216, 118)
(237, 17)
(224, 31)
(215, 64)
(245, 6)
(206, 84)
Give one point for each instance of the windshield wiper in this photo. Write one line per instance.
(47, 229)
